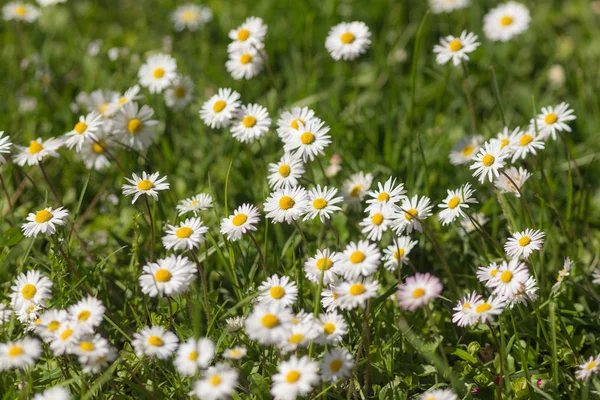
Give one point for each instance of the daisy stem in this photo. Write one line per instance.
(335, 233)
(467, 88)
(110, 155)
(487, 235)
(151, 228)
(571, 160)
(523, 200)
(501, 360)
(322, 171)
(54, 194)
(203, 284)
(267, 66)
(301, 233)
(170, 311)
(4, 188)
(260, 253)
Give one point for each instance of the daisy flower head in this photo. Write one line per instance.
(356, 187)
(524, 243)
(277, 290)
(51, 321)
(154, 341)
(388, 193)
(509, 139)
(299, 335)
(359, 259)
(464, 314)
(486, 274)
(348, 40)
(412, 211)
(44, 221)
(193, 355)
(485, 310)
(289, 122)
(295, 377)
(378, 221)
(310, 141)
(591, 366)
(355, 293)
(554, 119)
(195, 204)
(90, 347)
(118, 101)
(65, 337)
(251, 32)
(95, 365)
(133, 126)
(84, 131)
(517, 176)
(147, 184)
(167, 276)
(251, 123)
(465, 149)
(54, 393)
(235, 353)
(455, 48)
(220, 108)
(31, 288)
(5, 145)
(329, 296)
(489, 160)
(455, 202)
(218, 383)
(565, 271)
(446, 6)
(336, 365)
(157, 74)
(19, 11)
(180, 93)
(333, 328)
(322, 203)
(187, 236)
(527, 142)
(418, 290)
(398, 252)
(286, 172)
(28, 314)
(94, 153)
(325, 263)
(99, 100)
(20, 353)
(506, 21)
(246, 61)
(268, 324)
(286, 204)
(37, 150)
(87, 313)
(191, 17)
(528, 293)
(439, 394)
(242, 221)
(510, 278)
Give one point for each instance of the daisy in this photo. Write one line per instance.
(527, 293)
(524, 243)
(193, 355)
(18, 11)
(506, 21)
(455, 202)
(565, 271)
(418, 290)
(509, 139)
(251, 32)
(236, 353)
(95, 365)
(199, 202)
(44, 221)
(412, 212)
(322, 203)
(592, 366)
(439, 394)
(348, 40)
(276, 290)
(84, 131)
(379, 220)
(468, 225)
(235, 324)
(188, 235)
(388, 193)
(464, 314)
(554, 119)
(329, 297)
(311, 140)
(31, 288)
(489, 161)
(465, 149)
(54, 393)
(5, 314)
(159, 71)
(51, 321)
(527, 142)
(147, 184)
(356, 187)
(295, 377)
(117, 102)
(486, 274)
(251, 123)
(485, 310)
(133, 126)
(180, 93)
(100, 101)
(286, 204)
(286, 172)
(20, 353)
(191, 16)
(167, 276)
(333, 328)
(87, 313)
(355, 293)
(65, 337)
(268, 324)
(289, 122)
(518, 176)
(243, 220)
(509, 279)
(398, 252)
(90, 347)
(299, 335)
(5, 145)
(325, 263)
(446, 6)
(37, 150)
(359, 259)
(154, 341)
(220, 108)
(455, 48)
(246, 61)
(336, 365)
(94, 154)
(218, 383)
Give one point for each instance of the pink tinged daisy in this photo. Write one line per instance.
(517, 176)
(388, 193)
(524, 243)
(286, 204)
(398, 252)
(194, 355)
(337, 365)
(324, 264)
(311, 140)
(360, 259)
(84, 131)
(158, 72)
(277, 290)
(168, 276)
(485, 310)
(134, 127)
(564, 272)
(31, 288)
(242, 221)
(333, 327)
(268, 324)
(218, 383)
(295, 377)
(251, 123)
(510, 278)
(87, 313)
(455, 48)
(464, 314)
(246, 61)
(455, 203)
(554, 119)
(506, 21)
(148, 185)
(195, 204)
(5, 145)
(251, 32)
(447, 6)
(19, 354)
(418, 290)
(527, 293)
(153, 342)
(219, 110)
(465, 149)
(348, 40)
(289, 122)
(527, 142)
(489, 161)
(588, 368)
(286, 172)
(379, 221)
(187, 236)
(486, 274)
(44, 221)
(37, 150)
(355, 293)
(356, 187)
(412, 212)
(322, 203)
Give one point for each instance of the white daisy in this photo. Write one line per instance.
(518, 176)
(398, 252)
(527, 142)
(485, 310)
(236, 353)
(289, 122)
(275, 290)
(325, 263)
(388, 193)
(199, 202)
(310, 141)
(44, 221)
(509, 279)
(220, 108)
(455, 202)
(380, 218)
(5, 145)
(90, 347)
(87, 313)
(268, 324)
(486, 274)
(356, 292)
(348, 40)
(528, 293)
(439, 394)
(412, 212)
(286, 204)
(251, 32)
(489, 161)
(218, 383)
(329, 297)
(299, 335)
(154, 341)
(31, 288)
(147, 184)
(167, 276)
(157, 74)
(251, 123)
(180, 93)
(20, 353)
(65, 337)
(246, 61)
(84, 131)
(100, 101)
(193, 355)
(117, 102)
(37, 150)
(322, 203)
(243, 220)
(506, 21)
(191, 16)
(509, 138)
(18, 11)
(295, 377)
(54, 393)
(51, 321)
(94, 154)
(554, 119)
(359, 259)
(336, 365)
(446, 6)
(464, 314)
(286, 172)
(333, 328)
(95, 365)
(418, 290)
(465, 149)
(565, 271)
(455, 48)
(524, 243)
(133, 126)
(188, 235)
(356, 187)
(591, 366)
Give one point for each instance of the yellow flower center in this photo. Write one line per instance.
(284, 170)
(455, 45)
(591, 365)
(319, 203)
(162, 275)
(488, 160)
(307, 138)
(155, 341)
(483, 308)
(122, 100)
(294, 123)
(269, 321)
(239, 219)
(15, 351)
(551, 118)
(43, 216)
(357, 257)
(399, 253)
(243, 35)
(193, 356)
(494, 272)
(66, 334)
(145, 184)
(215, 380)
(53, 326)
(377, 218)
(235, 353)
(328, 328)
(524, 241)
(297, 338)
(466, 305)
(80, 127)
(249, 121)
(180, 92)
(28, 291)
(21, 10)
(356, 191)
(383, 196)
(277, 292)
(188, 16)
(505, 143)
(323, 264)
(292, 376)
(467, 150)
(525, 140)
(506, 276)
(134, 126)
(347, 38)
(453, 203)
(184, 232)
(98, 148)
(103, 108)
(357, 289)
(506, 20)
(335, 365)
(84, 315)
(418, 293)
(411, 213)
(35, 147)
(158, 73)
(246, 59)
(219, 106)
(87, 346)
(286, 202)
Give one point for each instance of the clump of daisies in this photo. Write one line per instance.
(247, 53)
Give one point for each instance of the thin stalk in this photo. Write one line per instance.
(301, 233)
(260, 253)
(151, 228)
(203, 284)
(501, 360)
(523, 200)
(322, 171)
(5, 189)
(467, 88)
(54, 194)
(335, 233)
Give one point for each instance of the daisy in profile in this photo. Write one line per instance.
(311, 140)
(133, 126)
(510, 278)
(418, 290)
(378, 221)
(506, 21)
(333, 328)
(355, 293)
(524, 243)
(251, 123)
(194, 355)
(336, 365)
(280, 291)
(242, 221)
(218, 383)
(251, 32)
(356, 187)
(286, 204)
(565, 271)
(485, 310)
(325, 263)
(518, 176)
(180, 93)
(148, 185)
(246, 61)
(489, 161)
(439, 394)
(90, 347)
(455, 48)
(398, 252)
(84, 131)
(5, 145)
(87, 313)
(37, 150)
(465, 149)
(191, 17)
(289, 122)
(455, 202)
(54, 393)
(168, 276)
(195, 204)
(464, 314)
(359, 259)
(527, 142)
(388, 193)
(588, 368)
(268, 324)
(19, 354)
(295, 377)
(157, 74)
(412, 211)
(94, 154)
(554, 119)
(348, 40)
(299, 335)
(154, 341)
(322, 203)
(188, 235)
(286, 172)
(44, 221)
(447, 6)
(468, 226)
(18, 11)
(31, 288)
(235, 353)
(220, 108)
